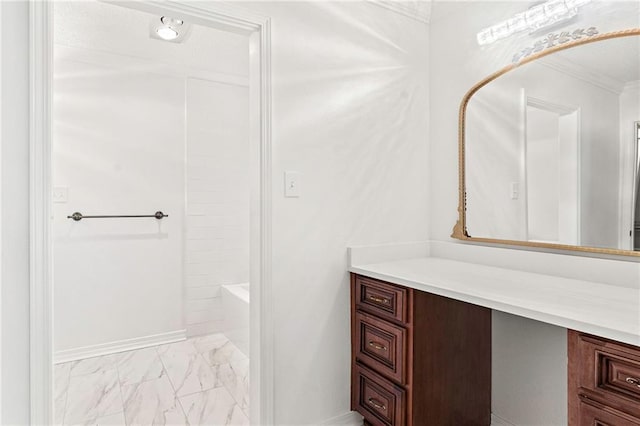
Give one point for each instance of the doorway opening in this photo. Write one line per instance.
(155, 154)
(635, 222)
(552, 190)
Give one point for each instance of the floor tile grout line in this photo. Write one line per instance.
(204, 390)
(175, 393)
(124, 414)
(225, 384)
(145, 380)
(238, 379)
(66, 396)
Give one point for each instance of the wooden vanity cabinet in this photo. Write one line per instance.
(604, 381)
(418, 359)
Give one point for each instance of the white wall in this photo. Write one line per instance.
(629, 114)
(457, 63)
(141, 125)
(543, 152)
(529, 381)
(14, 192)
(118, 148)
(217, 232)
(350, 114)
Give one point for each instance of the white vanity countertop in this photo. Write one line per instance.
(602, 309)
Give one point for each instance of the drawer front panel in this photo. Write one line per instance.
(381, 346)
(382, 299)
(600, 416)
(605, 372)
(378, 400)
(619, 375)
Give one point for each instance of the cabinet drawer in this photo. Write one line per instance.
(619, 375)
(382, 299)
(591, 415)
(379, 401)
(606, 371)
(382, 346)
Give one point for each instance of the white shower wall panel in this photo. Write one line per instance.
(217, 237)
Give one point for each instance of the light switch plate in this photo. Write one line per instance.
(514, 190)
(60, 194)
(291, 184)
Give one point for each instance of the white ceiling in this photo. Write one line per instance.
(616, 60)
(109, 28)
(419, 10)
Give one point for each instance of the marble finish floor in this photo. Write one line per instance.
(200, 381)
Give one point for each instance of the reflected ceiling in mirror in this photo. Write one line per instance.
(549, 149)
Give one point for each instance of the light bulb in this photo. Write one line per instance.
(517, 23)
(555, 8)
(535, 16)
(486, 37)
(501, 30)
(167, 33)
(576, 3)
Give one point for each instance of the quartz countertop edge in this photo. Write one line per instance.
(600, 309)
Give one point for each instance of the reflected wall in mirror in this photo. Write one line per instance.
(636, 190)
(549, 150)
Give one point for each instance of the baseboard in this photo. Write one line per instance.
(499, 421)
(118, 346)
(347, 419)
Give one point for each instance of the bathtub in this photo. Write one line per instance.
(235, 306)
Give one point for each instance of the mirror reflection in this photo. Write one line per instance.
(552, 149)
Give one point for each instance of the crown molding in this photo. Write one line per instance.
(419, 10)
(572, 69)
(632, 85)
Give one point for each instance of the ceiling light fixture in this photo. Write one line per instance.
(167, 33)
(169, 29)
(536, 17)
(171, 22)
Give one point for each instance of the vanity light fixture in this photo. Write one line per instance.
(536, 17)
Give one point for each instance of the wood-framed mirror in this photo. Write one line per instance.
(549, 148)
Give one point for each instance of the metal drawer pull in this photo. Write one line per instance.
(378, 346)
(633, 381)
(383, 300)
(376, 404)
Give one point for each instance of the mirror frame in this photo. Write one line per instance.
(460, 228)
